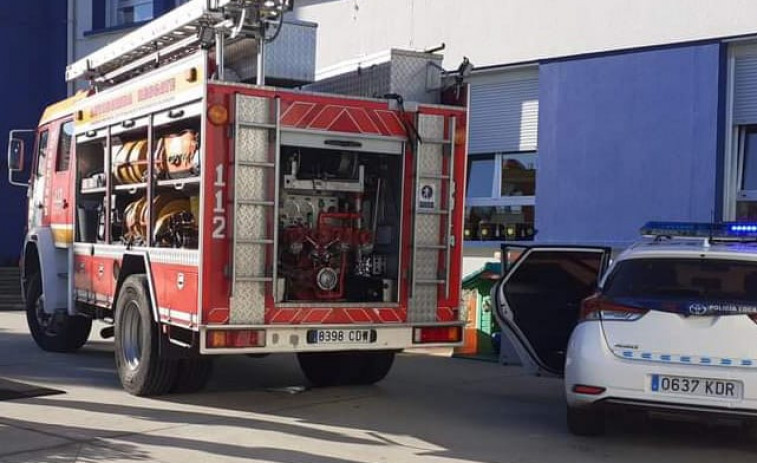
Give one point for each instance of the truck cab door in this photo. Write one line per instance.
(61, 209)
(37, 183)
(537, 302)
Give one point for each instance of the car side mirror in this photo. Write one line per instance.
(16, 150)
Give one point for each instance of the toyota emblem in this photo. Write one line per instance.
(697, 309)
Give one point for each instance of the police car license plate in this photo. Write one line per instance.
(341, 336)
(701, 387)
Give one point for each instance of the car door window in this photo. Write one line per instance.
(543, 295)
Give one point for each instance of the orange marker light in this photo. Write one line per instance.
(190, 74)
(218, 114)
(216, 338)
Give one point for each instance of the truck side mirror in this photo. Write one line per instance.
(16, 150)
(16, 155)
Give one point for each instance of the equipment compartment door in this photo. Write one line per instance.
(538, 300)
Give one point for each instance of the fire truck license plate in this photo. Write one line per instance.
(341, 336)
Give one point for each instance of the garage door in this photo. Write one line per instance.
(504, 111)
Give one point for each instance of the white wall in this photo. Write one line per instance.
(491, 32)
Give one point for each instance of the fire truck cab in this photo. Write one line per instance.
(197, 216)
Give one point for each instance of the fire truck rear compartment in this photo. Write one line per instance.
(339, 226)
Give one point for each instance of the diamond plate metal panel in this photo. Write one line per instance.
(430, 126)
(248, 304)
(407, 73)
(430, 159)
(368, 82)
(190, 257)
(423, 304)
(427, 228)
(291, 56)
(252, 183)
(254, 110)
(414, 77)
(253, 145)
(250, 262)
(252, 222)
(427, 264)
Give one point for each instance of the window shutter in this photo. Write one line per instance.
(504, 112)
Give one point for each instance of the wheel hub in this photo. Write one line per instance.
(132, 335)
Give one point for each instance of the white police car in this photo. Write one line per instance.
(670, 325)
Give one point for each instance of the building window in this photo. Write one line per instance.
(124, 12)
(500, 196)
(746, 196)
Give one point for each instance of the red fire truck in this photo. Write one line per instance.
(198, 216)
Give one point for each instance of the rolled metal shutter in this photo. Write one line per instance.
(504, 111)
(745, 85)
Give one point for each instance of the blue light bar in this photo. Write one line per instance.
(723, 231)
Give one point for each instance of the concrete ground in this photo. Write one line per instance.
(430, 409)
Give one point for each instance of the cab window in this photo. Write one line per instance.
(41, 153)
(64, 147)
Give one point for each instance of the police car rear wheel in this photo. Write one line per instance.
(57, 332)
(586, 421)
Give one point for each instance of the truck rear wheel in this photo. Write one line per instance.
(193, 375)
(57, 332)
(345, 368)
(141, 369)
(372, 367)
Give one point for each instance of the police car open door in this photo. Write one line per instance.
(538, 300)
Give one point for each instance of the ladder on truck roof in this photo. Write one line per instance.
(178, 33)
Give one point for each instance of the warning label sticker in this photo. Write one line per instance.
(427, 197)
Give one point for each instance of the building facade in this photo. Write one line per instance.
(32, 76)
(586, 118)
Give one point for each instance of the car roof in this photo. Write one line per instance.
(690, 248)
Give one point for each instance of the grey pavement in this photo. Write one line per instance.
(431, 408)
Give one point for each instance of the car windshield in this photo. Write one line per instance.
(684, 279)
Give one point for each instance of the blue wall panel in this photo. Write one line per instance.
(32, 75)
(627, 138)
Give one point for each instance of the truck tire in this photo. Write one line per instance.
(53, 333)
(341, 368)
(325, 369)
(193, 374)
(586, 421)
(372, 367)
(140, 368)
